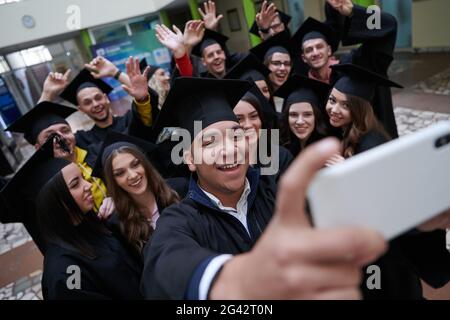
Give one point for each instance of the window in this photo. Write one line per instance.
(3, 65)
(29, 57)
(8, 1)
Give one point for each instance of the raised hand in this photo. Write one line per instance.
(209, 15)
(193, 33)
(174, 41)
(101, 67)
(293, 261)
(54, 84)
(138, 87)
(344, 7)
(266, 15)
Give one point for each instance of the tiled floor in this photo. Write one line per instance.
(425, 100)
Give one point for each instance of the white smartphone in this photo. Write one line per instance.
(391, 188)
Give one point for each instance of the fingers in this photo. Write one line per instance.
(136, 68)
(202, 14)
(67, 74)
(220, 17)
(177, 31)
(127, 89)
(358, 246)
(146, 71)
(264, 6)
(294, 183)
(318, 278)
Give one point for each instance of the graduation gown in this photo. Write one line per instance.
(18, 209)
(114, 274)
(285, 159)
(370, 140)
(375, 53)
(195, 230)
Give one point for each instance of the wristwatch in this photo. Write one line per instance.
(117, 75)
(264, 30)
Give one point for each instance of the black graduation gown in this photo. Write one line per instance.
(375, 53)
(370, 140)
(114, 274)
(195, 230)
(285, 159)
(411, 256)
(295, 147)
(20, 209)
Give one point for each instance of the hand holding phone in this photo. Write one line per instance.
(391, 188)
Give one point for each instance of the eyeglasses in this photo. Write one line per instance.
(278, 64)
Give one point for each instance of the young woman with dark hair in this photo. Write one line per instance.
(302, 121)
(254, 113)
(84, 259)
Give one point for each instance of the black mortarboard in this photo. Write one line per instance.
(285, 18)
(83, 80)
(209, 38)
(143, 64)
(35, 173)
(299, 88)
(39, 118)
(249, 67)
(115, 140)
(277, 43)
(314, 29)
(200, 99)
(269, 113)
(360, 82)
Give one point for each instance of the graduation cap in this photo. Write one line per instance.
(39, 118)
(143, 64)
(278, 43)
(299, 88)
(200, 99)
(209, 38)
(285, 19)
(359, 81)
(83, 80)
(115, 140)
(35, 173)
(269, 113)
(314, 29)
(249, 67)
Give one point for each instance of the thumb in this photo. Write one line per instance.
(67, 74)
(127, 89)
(175, 28)
(219, 17)
(146, 71)
(290, 207)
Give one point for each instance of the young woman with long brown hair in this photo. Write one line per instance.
(350, 108)
(138, 190)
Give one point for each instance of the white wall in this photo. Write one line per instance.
(51, 17)
(431, 24)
